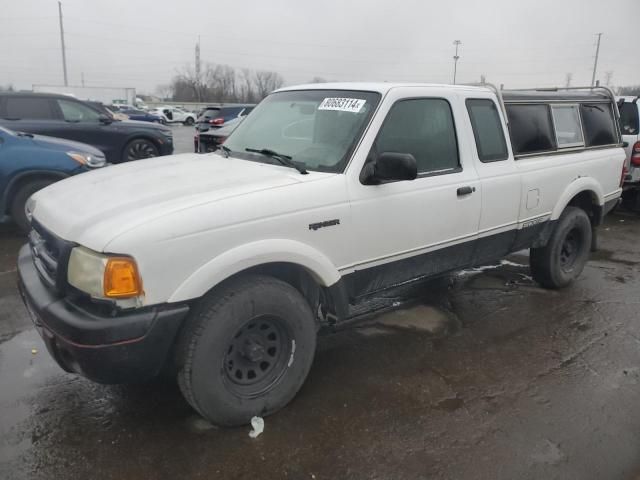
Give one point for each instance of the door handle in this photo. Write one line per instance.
(467, 190)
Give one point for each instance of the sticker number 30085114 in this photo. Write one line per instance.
(353, 105)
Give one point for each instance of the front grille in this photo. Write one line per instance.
(50, 256)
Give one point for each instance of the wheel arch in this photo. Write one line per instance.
(302, 266)
(584, 193)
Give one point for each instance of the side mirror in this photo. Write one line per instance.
(105, 119)
(392, 166)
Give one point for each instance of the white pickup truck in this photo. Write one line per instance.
(222, 267)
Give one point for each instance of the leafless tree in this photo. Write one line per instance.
(568, 78)
(266, 82)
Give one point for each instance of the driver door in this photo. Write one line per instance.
(405, 230)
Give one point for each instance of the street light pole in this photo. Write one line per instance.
(64, 53)
(456, 57)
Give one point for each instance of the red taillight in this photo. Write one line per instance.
(217, 121)
(635, 155)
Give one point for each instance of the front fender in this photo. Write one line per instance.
(580, 184)
(254, 254)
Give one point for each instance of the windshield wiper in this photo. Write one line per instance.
(283, 159)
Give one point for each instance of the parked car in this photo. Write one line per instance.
(142, 116)
(630, 129)
(116, 115)
(174, 115)
(65, 117)
(209, 141)
(30, 162)
(223, 267)
(217, 116)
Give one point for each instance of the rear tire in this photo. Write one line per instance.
(562, 260)
(246, 350)
(189, 121)
(19, 201)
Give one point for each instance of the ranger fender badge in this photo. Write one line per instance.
(326, 223)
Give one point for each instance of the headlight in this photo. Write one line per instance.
(167, 133)
(87, 159)
(103, 276)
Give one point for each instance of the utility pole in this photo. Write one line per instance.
(607, 78)
(198, 69)
(64, 52)
(82, 77)
(595, 63)
(456, 57)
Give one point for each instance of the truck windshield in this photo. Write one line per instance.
(316, 129)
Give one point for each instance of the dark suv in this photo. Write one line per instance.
(66, 117)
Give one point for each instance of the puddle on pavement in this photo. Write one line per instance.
(24, 365)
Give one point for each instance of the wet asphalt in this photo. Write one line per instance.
(484, 376)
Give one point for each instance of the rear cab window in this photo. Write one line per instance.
(487, 130)
(423, 127)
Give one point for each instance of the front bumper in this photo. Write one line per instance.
(123, 348)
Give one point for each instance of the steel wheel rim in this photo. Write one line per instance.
(570, 249)
(139, 150)
(258, 356)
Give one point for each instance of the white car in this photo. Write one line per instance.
(224, 266)
(174, 115)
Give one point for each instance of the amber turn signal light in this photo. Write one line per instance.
(121, 278)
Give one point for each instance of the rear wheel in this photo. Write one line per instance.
(138, 149)
(189, 121)
(562, 260)
(246, 350)
(19, 202)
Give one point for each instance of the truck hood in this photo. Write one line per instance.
(95, 207)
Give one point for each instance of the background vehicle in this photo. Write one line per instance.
(208, 141)
(174, 115)
(630, 129)
(216, 117)
(114, 114)
(324, 197)
(31, 162)
(142, 116)
(65, 117)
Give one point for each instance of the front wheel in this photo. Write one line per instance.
(562, 260)
(139, 149)
(246, 350)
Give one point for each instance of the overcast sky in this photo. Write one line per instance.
(142, 43)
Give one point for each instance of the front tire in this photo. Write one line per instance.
(246, 350)
(19, 202)
(139, 149)
(562, 260)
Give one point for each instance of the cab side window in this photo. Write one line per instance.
(424, 128)
(487, 130)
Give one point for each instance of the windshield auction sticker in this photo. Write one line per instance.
(353, 105)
